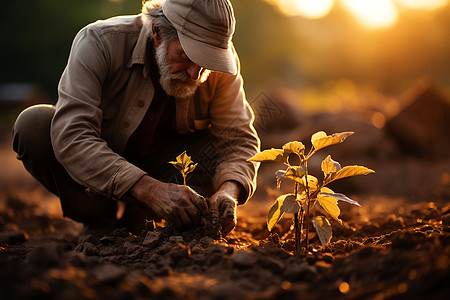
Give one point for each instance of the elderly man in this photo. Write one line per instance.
(136, 92)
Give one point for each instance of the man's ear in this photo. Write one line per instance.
(156, 35)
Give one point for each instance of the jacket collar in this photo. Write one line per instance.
(141, 50)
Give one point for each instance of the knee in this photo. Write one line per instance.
(32, 129)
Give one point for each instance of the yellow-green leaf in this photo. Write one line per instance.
(317, 136)
(191, 168)
(184, 158)
(330, 166)
(323, 229)
(276, 212)
(329, 203)
(301, 198)
(313, 184)
(352, 171)
(295, 173)
(184, 164)
(294, 147)
(290, 205)
(269, 155)
(321, 139)
(177, 165)
(279, 175)
(341, 197)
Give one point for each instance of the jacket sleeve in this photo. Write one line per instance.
(76, 126)
(232, 124)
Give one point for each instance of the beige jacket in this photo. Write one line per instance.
(104, 94)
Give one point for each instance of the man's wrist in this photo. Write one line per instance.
(140, 189)
(232, 188)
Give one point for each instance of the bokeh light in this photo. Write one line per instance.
(372, 14)
(422, 4)
(344, 287)
(306, 8)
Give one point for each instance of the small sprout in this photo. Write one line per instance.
(184, 164)
(308, 189)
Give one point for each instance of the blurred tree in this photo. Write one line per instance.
(275, 50)
(267, 43)
(37, 36)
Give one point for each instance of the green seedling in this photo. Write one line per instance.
(184, 164)
(308, 191)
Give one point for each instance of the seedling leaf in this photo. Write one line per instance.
(318, 135)
(176, 165)
(313, 184)
(308, 191)
(328, 202)
(184, 164)
(341, 197)
(295, 173)
(321, 139)
(349, 171)
(330, 166)
(279, 175)
(191, 168)
(290, 205)
(323, 228)
(269, 155)
(294, 147)
(276, 212)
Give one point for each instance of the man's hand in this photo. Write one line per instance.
(223, 206)
(178, 204)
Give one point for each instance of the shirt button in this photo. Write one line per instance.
(126, 124)
(140, 103)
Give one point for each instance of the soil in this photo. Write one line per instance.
(393, 247)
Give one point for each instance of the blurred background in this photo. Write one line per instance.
(380, 68)
(322, 51)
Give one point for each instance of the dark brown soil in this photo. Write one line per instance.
(393, 256)
(396, 246)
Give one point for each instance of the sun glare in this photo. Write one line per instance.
(373, 14)
(422, 4)
(307, 8)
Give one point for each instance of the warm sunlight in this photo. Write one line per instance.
(422, 4)
(306, 8)
(372, 14)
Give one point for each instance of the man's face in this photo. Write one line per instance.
(180, 77)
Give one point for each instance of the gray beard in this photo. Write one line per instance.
(180, 84)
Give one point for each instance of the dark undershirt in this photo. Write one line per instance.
(157, 127)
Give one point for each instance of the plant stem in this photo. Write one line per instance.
(297, 228)
(297, 238)
(308, 204)
(184, 179)
(311, 153)
(298, 244)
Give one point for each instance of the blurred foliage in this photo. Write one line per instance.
(299, 53)
(294, 53)
(37, 36)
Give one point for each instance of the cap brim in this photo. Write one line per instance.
(209, 57)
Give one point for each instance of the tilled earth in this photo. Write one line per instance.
(385, 250)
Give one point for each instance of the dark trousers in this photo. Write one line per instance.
(32, 143)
